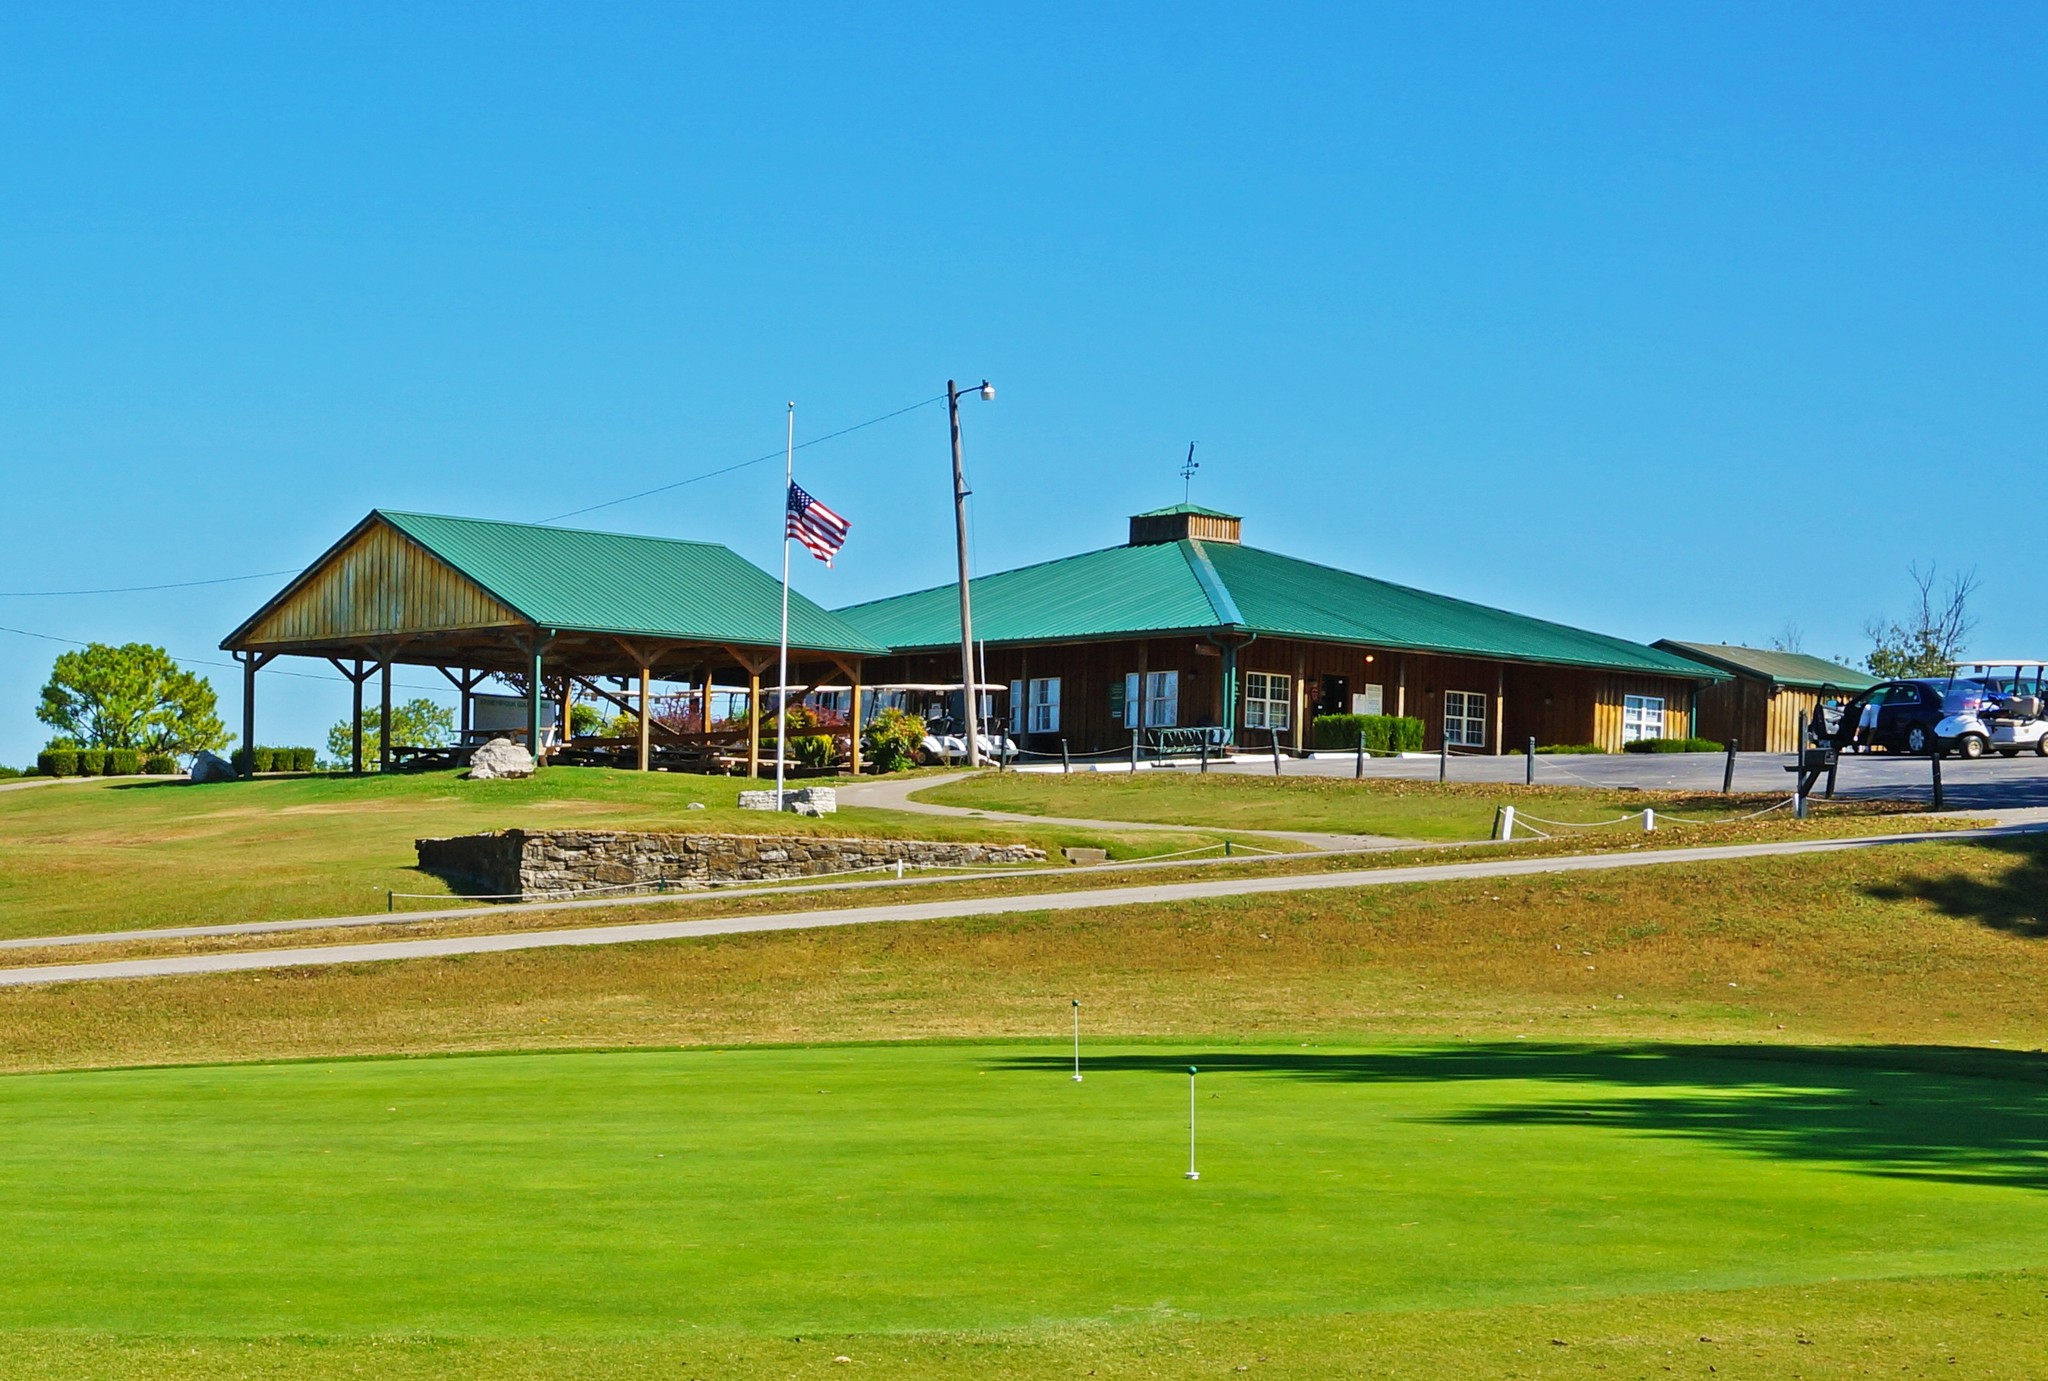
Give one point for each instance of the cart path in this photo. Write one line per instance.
(1142, 895)
(896, 795)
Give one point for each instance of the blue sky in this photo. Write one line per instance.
(1667, 320)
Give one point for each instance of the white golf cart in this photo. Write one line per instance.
(2017, 718)
(941, 706)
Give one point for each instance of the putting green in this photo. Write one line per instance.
(911, 1187)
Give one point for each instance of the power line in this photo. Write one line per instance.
(203, 662)
(137, 589)
(742, 465)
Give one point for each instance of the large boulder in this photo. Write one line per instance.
(498, 759)
(208, 768)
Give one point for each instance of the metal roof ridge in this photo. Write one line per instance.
(1211, 582)
(1468, 603)
(976, 580)
(395, 513)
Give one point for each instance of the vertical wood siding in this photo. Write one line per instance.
(379, 585)
(1553, 705)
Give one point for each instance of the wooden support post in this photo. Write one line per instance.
(355, 764)
(1401, 689)
(646, 720)
(754, 724)
(1529, 769)
(248, 660)
(533, 694)
(1500, 711)
(384, 716)
(469, 685)
(853, 720)
(1728, 772)
(568, 704)
(704, 701)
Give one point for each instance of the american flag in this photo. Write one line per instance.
(815, 525)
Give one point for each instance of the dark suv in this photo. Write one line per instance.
(1931, 715)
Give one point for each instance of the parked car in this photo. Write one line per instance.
(1935, 715)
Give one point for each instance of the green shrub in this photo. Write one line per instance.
(303, 760)
(92, 762)
(1673, 745)
(1384, 733)
(57, 762)
(891, 741)
(811, 750)
(1570, 748)
(123, 762)
(160, 765)
(7, 773)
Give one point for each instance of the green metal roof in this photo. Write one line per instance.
(608, 582)
(1195, 586)
(1171, 509)
(1780, 668)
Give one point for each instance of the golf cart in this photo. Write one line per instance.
(2017, 717)
(942, 707)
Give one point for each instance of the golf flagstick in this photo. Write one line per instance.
(1193, 1173)
(1077, 1040)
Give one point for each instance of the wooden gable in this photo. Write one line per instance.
(378, 583)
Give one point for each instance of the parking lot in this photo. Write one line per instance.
(1988, 783)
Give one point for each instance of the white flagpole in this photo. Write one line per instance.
(782, 668)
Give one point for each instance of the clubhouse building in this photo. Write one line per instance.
(1182, 635)
(1186, 630)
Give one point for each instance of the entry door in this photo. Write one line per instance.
(1336, 696)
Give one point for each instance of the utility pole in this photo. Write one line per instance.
(960, 492)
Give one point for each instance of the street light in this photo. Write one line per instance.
(960, 492)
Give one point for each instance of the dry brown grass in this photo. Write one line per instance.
(1935, 942)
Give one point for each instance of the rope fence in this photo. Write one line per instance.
(1508, 819)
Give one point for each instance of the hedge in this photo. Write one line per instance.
(1571, 748)
(92, 762)
(276, 759)
(160, 765)
(57, 762)
(1383, 732)
(123, 762)
(1673, 745)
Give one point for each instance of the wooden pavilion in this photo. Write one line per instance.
(554, 610)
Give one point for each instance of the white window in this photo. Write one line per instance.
(1267, 701)
(1642, 716)
(1042, 706)
(1372, 701)
(1160, 708)
(1465, 719)
(1162, 700)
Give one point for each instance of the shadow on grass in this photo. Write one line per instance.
(1930, 1113)
(2014, 899)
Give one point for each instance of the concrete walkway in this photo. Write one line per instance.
(896, 795)
(1143, 895)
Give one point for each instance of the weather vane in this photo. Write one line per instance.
(1187, 474)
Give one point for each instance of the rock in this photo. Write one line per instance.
(696, 805)
(499, 759)
(806, 800)
(208, 768)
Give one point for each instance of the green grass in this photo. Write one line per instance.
(1239, 801)
(874, 1190)
(114, 855)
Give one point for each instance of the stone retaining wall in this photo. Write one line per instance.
(531, 863)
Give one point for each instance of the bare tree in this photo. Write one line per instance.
(1929, 641)
(1790, 638)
